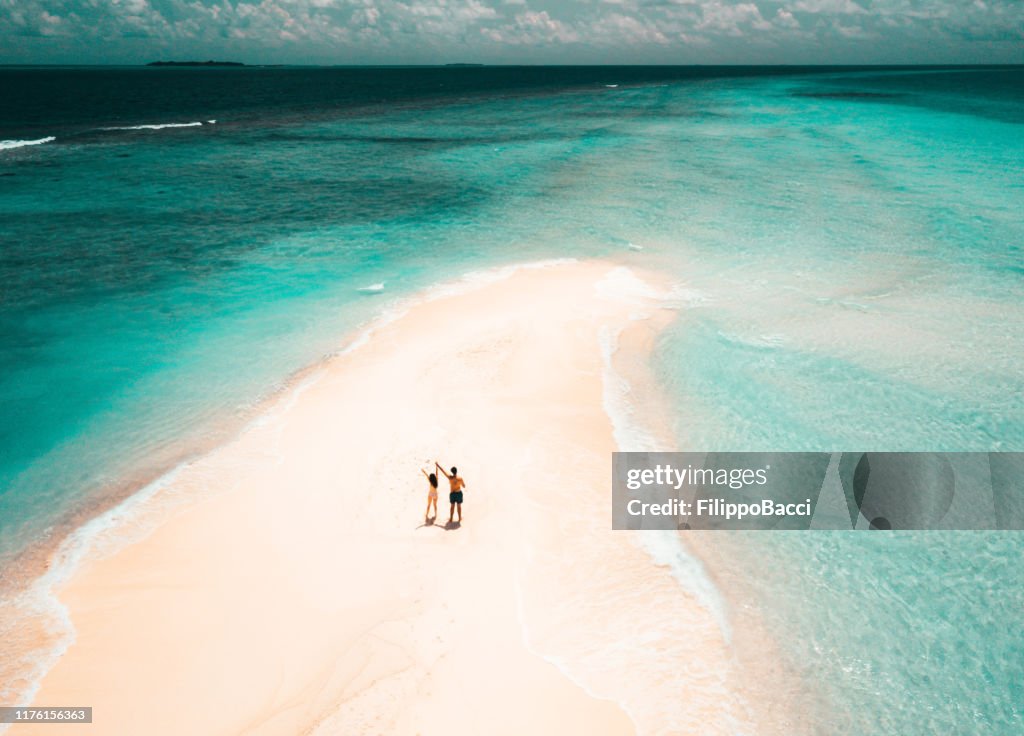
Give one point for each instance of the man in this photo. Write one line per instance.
(456, 487)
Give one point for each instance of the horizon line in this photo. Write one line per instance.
(476, 65)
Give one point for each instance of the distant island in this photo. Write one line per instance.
(195, 63)
(463, 63)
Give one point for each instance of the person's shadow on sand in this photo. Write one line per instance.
(448, 525)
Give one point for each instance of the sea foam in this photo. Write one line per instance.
(5, 145)
(664, 548)
(157, 126)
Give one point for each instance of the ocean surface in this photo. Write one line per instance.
(175, 244)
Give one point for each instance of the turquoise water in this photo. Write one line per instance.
(852, 241)
(881, 244)
(914, 634)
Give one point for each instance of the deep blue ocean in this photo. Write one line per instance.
(176, 243)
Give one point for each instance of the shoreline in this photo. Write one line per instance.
(239, 485)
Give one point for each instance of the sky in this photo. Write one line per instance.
(512, 31)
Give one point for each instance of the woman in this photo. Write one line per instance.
(431, 494)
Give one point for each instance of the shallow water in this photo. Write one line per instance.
(849, 244)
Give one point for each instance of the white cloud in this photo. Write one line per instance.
(785, 19)
(534, 26)
(852, 32)
(842, 7)
(626, 29)
(730, 19)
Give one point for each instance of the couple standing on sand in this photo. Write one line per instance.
(454, 496)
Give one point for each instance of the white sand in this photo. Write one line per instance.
(301, 592)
